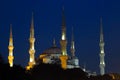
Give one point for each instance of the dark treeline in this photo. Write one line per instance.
(45, 72)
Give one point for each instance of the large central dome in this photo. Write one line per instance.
(52, 50)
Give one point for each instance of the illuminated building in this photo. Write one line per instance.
(10, 47)
(56, 55)
(32, 49)
(102, 54)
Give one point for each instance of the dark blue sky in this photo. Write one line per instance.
(83, 15)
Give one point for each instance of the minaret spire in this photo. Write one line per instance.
(63, 25)
(63, 43)
(10, 47)
(32, 41)
(32, 27)
(72, 45)
(101, 31)
(102, 54)
(11, 36)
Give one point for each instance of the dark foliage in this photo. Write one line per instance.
(14, 73)
(48, 72)
(1, 59)
(100, 77)
(55, 72)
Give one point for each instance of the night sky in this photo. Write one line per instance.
(83, 15)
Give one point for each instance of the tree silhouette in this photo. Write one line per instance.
(1, 59)
(55, 72)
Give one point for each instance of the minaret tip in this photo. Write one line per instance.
(63, 25)
(63, 7)
(100, 21)
(32, 26)
(10, 30)
(32, 15)
(54, 43)
(32, 12)
(101, 30)
(72, 34)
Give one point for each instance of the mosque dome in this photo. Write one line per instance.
(52, 50)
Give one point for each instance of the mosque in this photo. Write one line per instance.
(54, 54)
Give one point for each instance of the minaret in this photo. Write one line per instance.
(74, 59)
(63, 43)
(10, 48)
(102, 54)
(32, 49)
(72, 45)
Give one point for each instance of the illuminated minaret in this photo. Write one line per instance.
(32, 49)
(63, 43)
(10, 47)
(72, 45)
(74, 59)
(102, 54)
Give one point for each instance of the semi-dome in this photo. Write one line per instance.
(52, 50)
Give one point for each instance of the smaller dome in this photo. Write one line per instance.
(52, 50)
